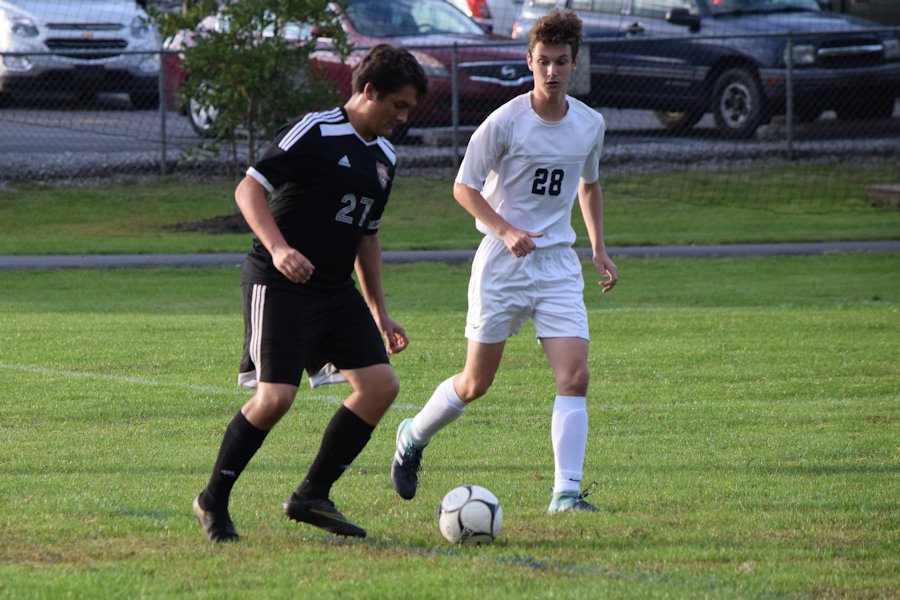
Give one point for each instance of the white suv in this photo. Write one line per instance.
(58, 47)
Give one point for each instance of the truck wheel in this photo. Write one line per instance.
(679, 121)
(737, 104)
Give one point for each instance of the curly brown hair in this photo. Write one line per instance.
(554, 28)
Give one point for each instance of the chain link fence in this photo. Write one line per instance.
(89, 117)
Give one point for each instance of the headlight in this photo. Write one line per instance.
(891, 48)
(23, 27)
(432, 66)
(139, 27)
(803, 54)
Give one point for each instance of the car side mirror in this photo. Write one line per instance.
(682, 16)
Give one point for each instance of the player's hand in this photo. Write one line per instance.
(395, 336)
(520, 242)
(608, 272)
(292, 264)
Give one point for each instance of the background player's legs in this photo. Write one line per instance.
(569, 422)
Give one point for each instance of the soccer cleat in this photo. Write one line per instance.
(407, 458)
(572, 502)
(321, 512)
(216, 524)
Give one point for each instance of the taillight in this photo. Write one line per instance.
(479, 9)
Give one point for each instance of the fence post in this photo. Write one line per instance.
(162, 111)
(789, 96)
(454, 102)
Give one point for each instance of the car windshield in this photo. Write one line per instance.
(720, 7)
(400, 18)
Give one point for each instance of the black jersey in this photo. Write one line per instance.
(328, 188)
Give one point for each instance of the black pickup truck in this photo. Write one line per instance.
(733, 58)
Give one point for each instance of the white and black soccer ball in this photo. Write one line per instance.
(470, 514)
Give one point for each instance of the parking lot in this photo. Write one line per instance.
(64, 138)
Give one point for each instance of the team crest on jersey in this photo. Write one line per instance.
(384, 177)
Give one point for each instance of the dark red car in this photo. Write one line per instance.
(488, 70)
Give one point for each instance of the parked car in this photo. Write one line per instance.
(684, 58)
(487, 75)
(886, 12)
(495, 16)
(58, 48)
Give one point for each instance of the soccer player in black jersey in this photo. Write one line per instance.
(329, 175)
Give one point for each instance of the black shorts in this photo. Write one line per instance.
(287, 331)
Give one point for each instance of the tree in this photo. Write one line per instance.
(253, 68)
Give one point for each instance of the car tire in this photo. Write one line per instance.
(737, 104)
(679, 121)
(201, 117)
(875, 107)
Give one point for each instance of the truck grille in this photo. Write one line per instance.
(850, 53)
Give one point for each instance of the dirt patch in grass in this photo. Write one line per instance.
(234, 223)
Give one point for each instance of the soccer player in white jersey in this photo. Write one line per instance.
(329, 175)
(522, 170)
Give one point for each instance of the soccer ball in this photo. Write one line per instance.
(470, 514)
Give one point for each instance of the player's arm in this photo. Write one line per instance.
(368, 274)
(252, 199)
(518, 242)
(590, 198)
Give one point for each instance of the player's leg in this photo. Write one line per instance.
(561, 326)
(347, 434)
(268, 341)
(496, 311)
(354, 344)
(243, 437)
(446, 404)
(569, 421)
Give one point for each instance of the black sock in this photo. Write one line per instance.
(240, 443)
(344, 438)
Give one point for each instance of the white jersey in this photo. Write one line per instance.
(528, 169)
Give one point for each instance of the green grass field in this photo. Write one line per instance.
(788, 202)
(744, 441)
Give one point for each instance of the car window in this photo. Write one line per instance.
(399, 18)
(658, 9)
(739, 6)
(605, 6)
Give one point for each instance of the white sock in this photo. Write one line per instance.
(568, 431)
(442, 408)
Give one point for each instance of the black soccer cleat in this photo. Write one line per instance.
(216, 524)
(321, 513)
(407, 459)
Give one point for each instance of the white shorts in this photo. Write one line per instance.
(546, 286)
